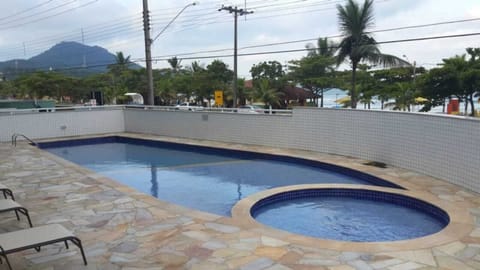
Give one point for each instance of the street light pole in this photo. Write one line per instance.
(172, 20)
(148, 46)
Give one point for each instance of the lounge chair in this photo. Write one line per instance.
(36, 237)
(9, 205)
(6, 191)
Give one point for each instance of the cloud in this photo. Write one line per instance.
(117, 26)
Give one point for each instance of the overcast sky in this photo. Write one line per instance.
(29, 27)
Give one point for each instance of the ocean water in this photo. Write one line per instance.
(335, 94)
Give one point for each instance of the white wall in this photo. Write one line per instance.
(444, 147)
(50, 124)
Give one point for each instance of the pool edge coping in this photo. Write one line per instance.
(449, 234)
(460, 225)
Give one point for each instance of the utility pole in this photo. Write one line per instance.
(236, 12)
(148, 52)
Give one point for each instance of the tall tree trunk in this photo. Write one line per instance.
(321, 100)
(466, 105)
(472, 105)
(353, 94)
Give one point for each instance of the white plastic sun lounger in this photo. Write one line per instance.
(9, 205)
(6, 191)
(37, 237)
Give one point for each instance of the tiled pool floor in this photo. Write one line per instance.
(124, 229)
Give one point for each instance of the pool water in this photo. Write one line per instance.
(348, 219)
(201, 178)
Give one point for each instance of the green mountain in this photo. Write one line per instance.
(70, 58)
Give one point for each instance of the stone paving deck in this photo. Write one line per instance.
(124, 229)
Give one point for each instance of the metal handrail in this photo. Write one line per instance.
(16, 135)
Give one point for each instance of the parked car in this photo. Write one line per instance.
(250, 109)
(186, 106)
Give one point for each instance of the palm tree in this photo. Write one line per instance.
(120, 59)
(404, 97)
(267, 94)
(324, 47)
(175, 64)
(196, 67)
(121, 63)
(357, 44)
(118, 78)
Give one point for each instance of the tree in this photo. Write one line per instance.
(404, 96)
(436, 85)
(121, 63)
(119, 73)
(366, 85)
(218, 77)
(175, 64)
(324, 47)
(49, 84)
(315, 71)
(358, 45)
(386, 80)
(268, 95)
(271, 71)
(457, 76)
(7, 89)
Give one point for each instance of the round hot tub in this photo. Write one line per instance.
(347, 214)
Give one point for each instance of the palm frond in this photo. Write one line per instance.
(386, 60)
(344, 50)
(366, 17)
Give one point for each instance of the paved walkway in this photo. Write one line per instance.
(124, 229)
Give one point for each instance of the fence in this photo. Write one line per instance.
(444, 147)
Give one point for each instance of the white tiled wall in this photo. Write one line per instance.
(60, 124)
(443, 147)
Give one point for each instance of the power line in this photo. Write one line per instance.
(199, 17)
(195, 13)
(87, 29)
(26, 10)
(50, 16)
(424, 25)
(162, 58)
(204, 22)
(41, 12)
(332, 47)
(332, 36)
(104, 32)
(138, 60)
(102, 35)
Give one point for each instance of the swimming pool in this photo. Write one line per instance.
(202, 178)
(347, 214)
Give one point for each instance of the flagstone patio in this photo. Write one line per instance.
(123, 229)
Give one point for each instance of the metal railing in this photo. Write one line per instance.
(283, 112)
(16, 135)
(142, 107)
(211, 109)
